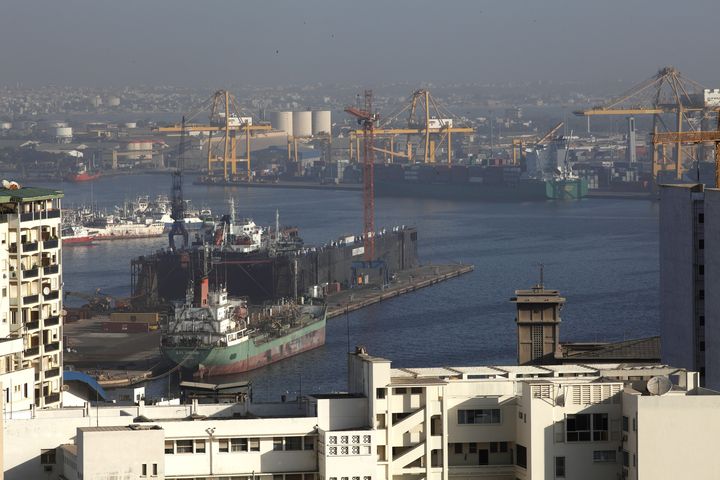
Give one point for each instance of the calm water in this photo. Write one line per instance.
(601, 254)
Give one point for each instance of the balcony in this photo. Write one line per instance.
(52, 373)
(48, 244)
(52, 347)
(54, 295)
(32, 273)
(52, 321)
(54, 213)
(51, 269)
(32, 351)
(33, 325)
(30, 247)
(41, 215)
(53, 398)
(31, 299)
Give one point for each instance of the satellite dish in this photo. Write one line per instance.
(658, 385)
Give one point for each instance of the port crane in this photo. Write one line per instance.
(518, 144)
(667, 92)
(177, 203)
(693, 138)
(367, 119)
(426, 118)
(226, 123)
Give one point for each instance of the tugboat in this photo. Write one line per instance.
(211, 334)
(82, 175)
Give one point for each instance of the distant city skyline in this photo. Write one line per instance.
(212, 44)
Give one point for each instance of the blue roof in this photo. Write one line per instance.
(73, 376)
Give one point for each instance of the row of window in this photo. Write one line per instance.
(486, 416)
(349, 450)
(145, 468)
(599, 456)
(585, 427)
(350, 478)
(347, 439)
(239, 444)
(494, 447)
(380, 393)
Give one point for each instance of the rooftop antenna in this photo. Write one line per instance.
(277, 225)
(541, 285)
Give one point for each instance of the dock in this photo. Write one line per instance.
(405, 282)
(122, 359)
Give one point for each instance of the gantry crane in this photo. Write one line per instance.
(427, 119)
(226, 121)
(519, 143)
(667, 92)
(693, 138)
(367, 119)
(177, 205)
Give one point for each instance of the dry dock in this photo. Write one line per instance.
(118, 359)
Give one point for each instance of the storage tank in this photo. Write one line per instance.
(63, 134)
(113, 101)
(282, 121)
(5, 125)
(130, 125)
(321, 122)
(302, 124)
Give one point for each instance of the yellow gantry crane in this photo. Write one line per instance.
(667, 92)
(692, 138)
(519, 143)
(227, 123)
(426, 119)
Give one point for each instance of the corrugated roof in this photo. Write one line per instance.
(26, 194)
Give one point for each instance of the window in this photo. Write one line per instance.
(309, 443)
(169, 447)
(626, 459)
(184, 446)
(293, 443)
(586, 427)
(355, 439)
(400, 391)
(458, 448)
(701, 218)
(701, 244)
(238, 444)
(481, 416)
(380, 393)
(416, 390)
(559, 467)
(277, 443)
(701, 269)
(521, 456)
(472, 447)
(503, 447)
(199, 446)
(254, 444)
(155, 470)
(47, 456)
(625, 423)
(493, 447)
(223, 445)
(344, 450)
(604, 456)
(144, 469)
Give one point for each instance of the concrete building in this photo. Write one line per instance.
(491, 422)
(34, 301)
(682, 277)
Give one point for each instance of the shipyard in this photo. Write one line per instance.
(379, 241)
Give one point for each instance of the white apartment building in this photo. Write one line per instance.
(33, 266)
(452, 423)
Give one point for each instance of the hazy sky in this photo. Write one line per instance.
(214, 43)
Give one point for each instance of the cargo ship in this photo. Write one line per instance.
(474, 182)
(264, 264)
(211, 334)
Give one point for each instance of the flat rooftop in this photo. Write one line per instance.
(28, 194)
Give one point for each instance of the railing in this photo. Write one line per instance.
(47, 244)
(54, 213)
(51, 269)
(31, 299)
(52, 295)
(32, 351)
(32, 273)
(53, 398)
(53, 372)
(45, 214)
(52, 347)
(52, 321)
(30, 247)
(32, 325)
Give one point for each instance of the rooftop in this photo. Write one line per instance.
(28, 194)
(642, 349)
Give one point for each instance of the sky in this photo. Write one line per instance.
(207, 43)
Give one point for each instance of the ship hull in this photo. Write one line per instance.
(248, 355)
(77, 241)
(83, 177)
(524, 190)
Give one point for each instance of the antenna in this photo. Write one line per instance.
(541, 285)
(659, 385)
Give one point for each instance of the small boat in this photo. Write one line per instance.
(76, 235)
(82, 175)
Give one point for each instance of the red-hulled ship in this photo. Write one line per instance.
(73, 235)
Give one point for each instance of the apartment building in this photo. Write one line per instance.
(489, 422)
(33, 267)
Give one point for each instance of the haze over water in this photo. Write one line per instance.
(601, 254)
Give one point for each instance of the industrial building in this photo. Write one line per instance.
(494, 422)
(31, 236)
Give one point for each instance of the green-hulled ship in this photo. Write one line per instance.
(211, 334)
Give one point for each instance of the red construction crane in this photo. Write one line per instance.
(367, 119)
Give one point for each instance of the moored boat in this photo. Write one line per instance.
(76, 235)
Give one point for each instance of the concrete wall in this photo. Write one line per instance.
(119, 453)
(677, 286)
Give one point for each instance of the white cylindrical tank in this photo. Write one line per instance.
(63, 132)
(321, 122)
(5, 125)
(113, 101)
(302, 124)
(282, 121)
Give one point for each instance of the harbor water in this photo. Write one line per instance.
(601, 254)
